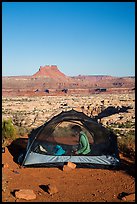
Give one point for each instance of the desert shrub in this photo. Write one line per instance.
(9, 131)
(22, 130)
(127, 124)
(126, 144)
(18, 118)
(115, 131)
(112, 125)
(126, 140)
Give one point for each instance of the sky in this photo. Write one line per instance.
(81, 38)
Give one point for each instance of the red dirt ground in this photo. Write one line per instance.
(80, 184)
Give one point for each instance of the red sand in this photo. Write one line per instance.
(80, 184)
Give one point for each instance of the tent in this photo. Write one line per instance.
(53, 144)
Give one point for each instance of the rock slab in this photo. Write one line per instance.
(71, 165)
(130, 197)
(26, 194)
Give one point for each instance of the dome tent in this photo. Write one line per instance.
(55, 135)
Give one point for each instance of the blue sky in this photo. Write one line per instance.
(84, 38)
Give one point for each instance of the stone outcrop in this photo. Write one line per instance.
(49, 72)
(69, 166)
(50, 78)
(26, 194)
(34, 111)
(129, 198)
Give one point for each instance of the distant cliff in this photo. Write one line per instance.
(50, 77)
(48, 71)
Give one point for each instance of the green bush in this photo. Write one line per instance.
(9, 132)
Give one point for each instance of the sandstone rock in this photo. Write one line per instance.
(31, 112)
(71, 165)
(130, 197)
(66, 168)
(52, 189)
(5, 165)
(4, 188)
(26, 194)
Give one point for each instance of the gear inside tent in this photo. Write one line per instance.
(54, 144)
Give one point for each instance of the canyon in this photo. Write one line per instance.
(50, 80)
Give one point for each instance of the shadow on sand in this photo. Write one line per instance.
(17, 147)
(128, 167)
(111, 110)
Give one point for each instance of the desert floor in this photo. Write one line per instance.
(80, 184)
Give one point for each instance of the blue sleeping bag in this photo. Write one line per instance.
(59, 150)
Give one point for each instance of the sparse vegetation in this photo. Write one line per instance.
(22, 130)
(126, 144)
(127, 124)
(126, 140)
(9, 131)
(32, 112)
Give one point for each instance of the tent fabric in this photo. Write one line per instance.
(46, 148)
(40, 159)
